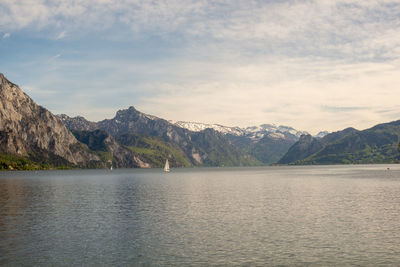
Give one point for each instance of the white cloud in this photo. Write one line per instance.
(6, 35)
(255, 93)
(343, 28)
(61, 35)
(305, 93)
(33, 90)
(239, 62)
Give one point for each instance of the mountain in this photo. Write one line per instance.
(185, 146)
(155, 150)
(378, 144)
(110, 151)
(258, 132)
(130, 120)
(155, 139)
(128, 150)
(78, 123)
(306, 146)
(253, 132)
(33, 135)
(322, 134)
(267, 143)
(197, 127)
(214, 149)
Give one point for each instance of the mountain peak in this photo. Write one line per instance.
(128, 111)
(305, 138)
(4, 81)
(132, 108)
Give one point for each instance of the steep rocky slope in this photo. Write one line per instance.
(110, 151)
(31, 131)
(78, 123)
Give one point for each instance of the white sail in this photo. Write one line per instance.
(166, 167)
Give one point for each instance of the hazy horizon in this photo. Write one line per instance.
(311, 65)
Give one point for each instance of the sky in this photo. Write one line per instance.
(313, 65)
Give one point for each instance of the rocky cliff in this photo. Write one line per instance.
(112, 153)
(31, 131)
(78, 123)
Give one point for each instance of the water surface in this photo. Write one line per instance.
(287, 216)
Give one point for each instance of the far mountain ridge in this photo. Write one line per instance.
(266, 143)
(146, 134)
(378, 144)
(255, 132)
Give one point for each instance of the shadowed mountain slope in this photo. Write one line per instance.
(378, 144)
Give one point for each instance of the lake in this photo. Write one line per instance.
(270, 216)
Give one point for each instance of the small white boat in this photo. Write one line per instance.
(166, 167)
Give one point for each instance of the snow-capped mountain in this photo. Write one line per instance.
(252, 132)
(267, 142)
(273, 131)
(197, 127)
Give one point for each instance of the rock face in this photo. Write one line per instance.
(113, 153)
(132, 121)
(78, 123)
(29, 130)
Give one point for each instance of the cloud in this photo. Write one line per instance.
(61, 35)
(355, 30)
(307, 64)
(305, 93)
(36, 91)
(336, 109)
(313, 96)
(6, 35)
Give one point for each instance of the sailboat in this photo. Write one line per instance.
(166, 167)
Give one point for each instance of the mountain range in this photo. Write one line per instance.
(379, 144)
(31, 137)
(152, 140)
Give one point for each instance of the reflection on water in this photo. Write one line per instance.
(314, 216)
